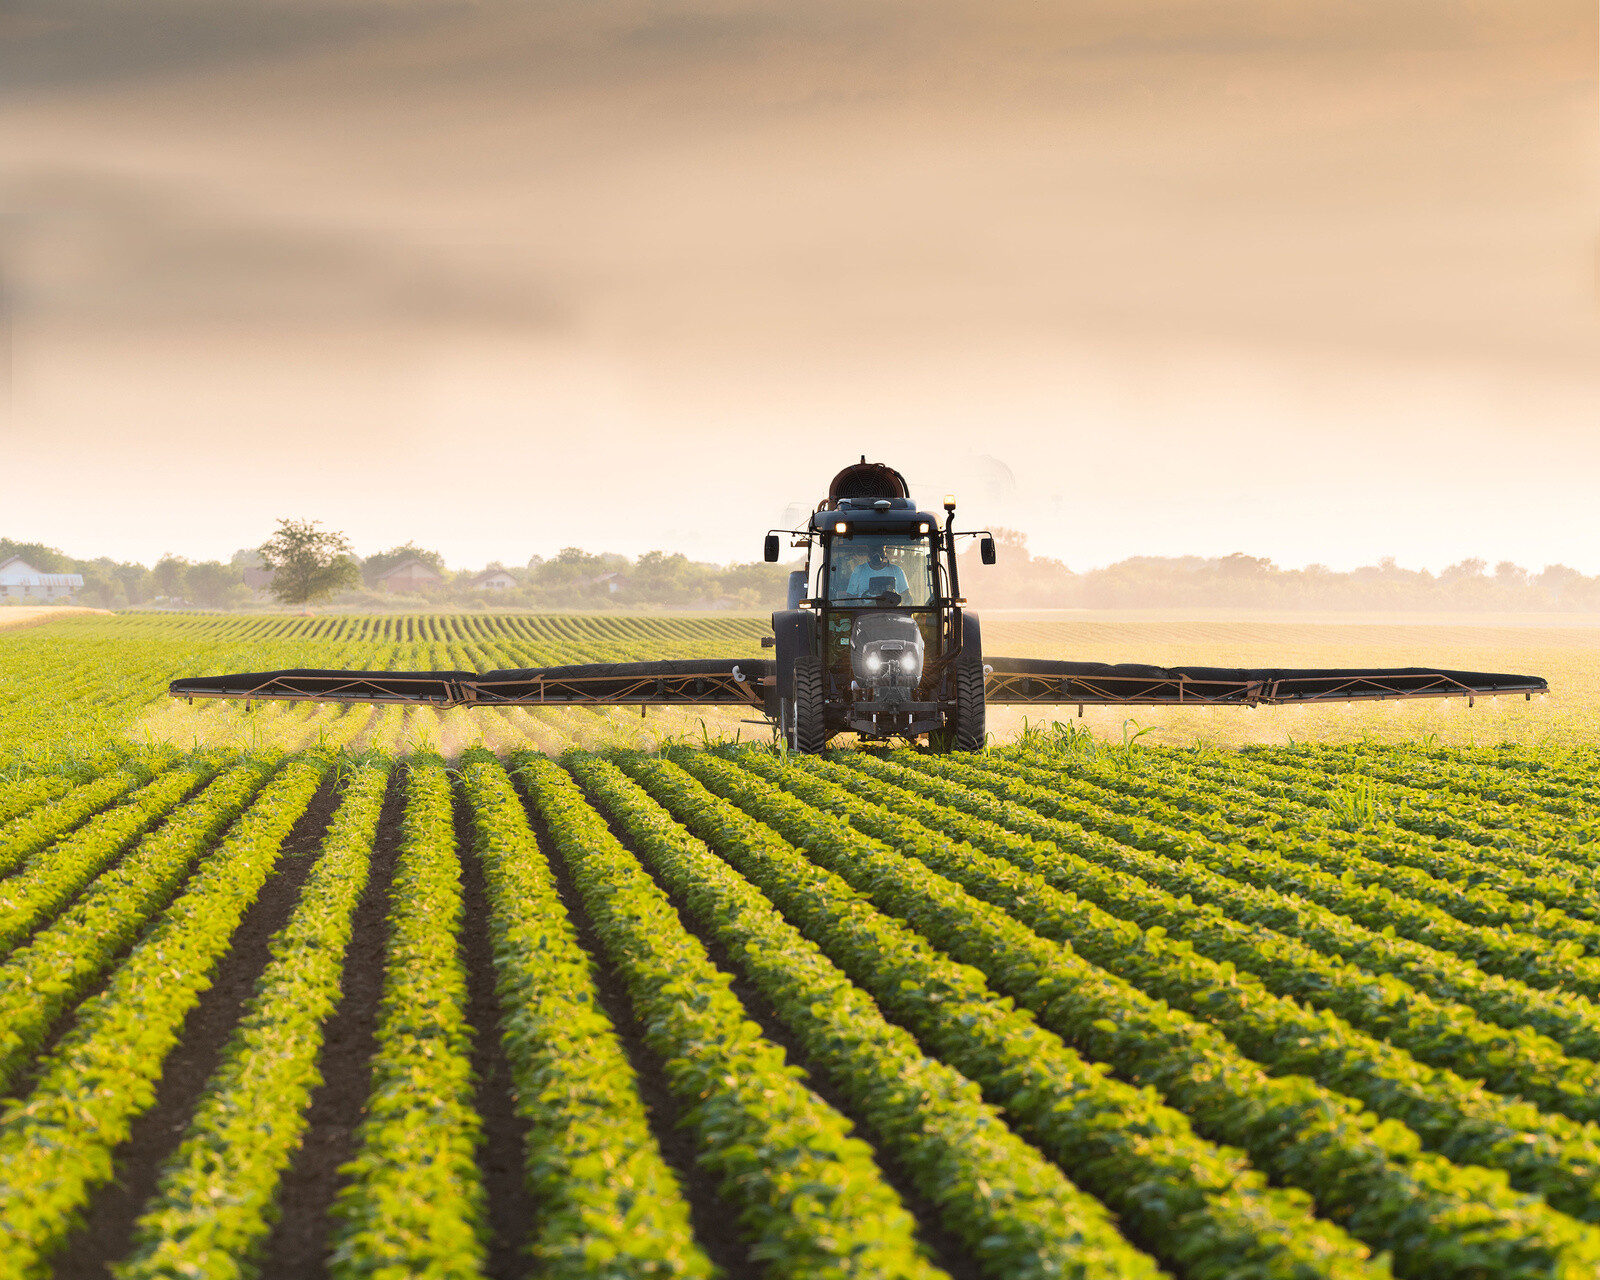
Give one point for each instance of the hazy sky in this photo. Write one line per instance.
(1311, 279)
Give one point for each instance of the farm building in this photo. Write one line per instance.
(493, 580)
(413, 575)
(19, 580)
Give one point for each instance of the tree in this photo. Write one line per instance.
(660, 578)
(1463, 570)
(170, 571)
(44, 559)
(215, 585)
(137, 581)
(1511, 574)
(310, 563)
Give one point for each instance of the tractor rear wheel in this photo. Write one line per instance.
(810, 724)
(971, 710)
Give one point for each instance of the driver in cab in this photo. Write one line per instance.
(876, 575)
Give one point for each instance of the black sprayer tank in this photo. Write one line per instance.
(867, 480)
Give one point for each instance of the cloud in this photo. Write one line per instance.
(93, 247)
(51, 46)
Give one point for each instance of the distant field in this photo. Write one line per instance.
(83, 677)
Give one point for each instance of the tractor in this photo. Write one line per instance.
(876, 638)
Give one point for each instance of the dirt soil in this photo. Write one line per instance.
(297, 1249)
(511, 1211)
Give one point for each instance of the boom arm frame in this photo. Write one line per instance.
(748, 682)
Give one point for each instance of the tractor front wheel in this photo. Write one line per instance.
(810, 724)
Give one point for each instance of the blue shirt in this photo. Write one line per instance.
(861, 581)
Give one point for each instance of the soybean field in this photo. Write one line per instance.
(76, 682)
(336, 993)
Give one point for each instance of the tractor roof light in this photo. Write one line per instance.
(949, 502)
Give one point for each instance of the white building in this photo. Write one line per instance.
(19, 580)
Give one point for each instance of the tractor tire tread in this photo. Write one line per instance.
(810, 725)
(972, 729)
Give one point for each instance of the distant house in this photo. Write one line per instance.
(19, 580)
(611, 581)
(493, 580)
(413, 575)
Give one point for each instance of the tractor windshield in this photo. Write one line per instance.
(891, 569)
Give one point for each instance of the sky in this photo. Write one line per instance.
(1317, 280)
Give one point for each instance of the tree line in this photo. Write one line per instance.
(1019, 580)
(309, 564)
(303, 563)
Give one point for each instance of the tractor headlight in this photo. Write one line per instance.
(886, 652)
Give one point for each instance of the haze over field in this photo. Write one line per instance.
(1312, 281)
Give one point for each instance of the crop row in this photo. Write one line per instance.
(1461, 880)
(1571, 1021)
(1504, 776)
(1537, 861)
(55, 875)
(1355, 813)
(413, 1201)
(1087, 1039)
(60, 962)
(56, 1142)
(39, 779)
(32, 831)
(1527, 957)
(1226, 921)
(1039, 885)
(1371, 1177)
(1352, 812)
(1015, 1211)
(1427, 810)
(609, 1205)
(1188, 1201)
(808, 1193)
(214, 1205)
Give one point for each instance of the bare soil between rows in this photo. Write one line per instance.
(297, 1248)
(511, 1211)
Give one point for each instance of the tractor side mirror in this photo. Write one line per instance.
(986, 549)
(769, 551)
